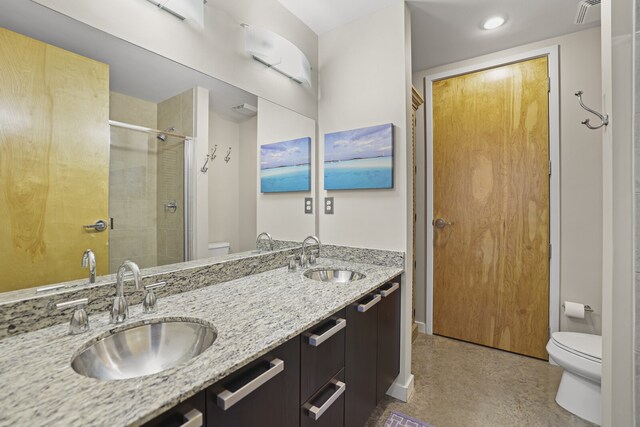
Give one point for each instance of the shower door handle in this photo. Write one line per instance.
(99, 226)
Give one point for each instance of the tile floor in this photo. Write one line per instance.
(459, 384)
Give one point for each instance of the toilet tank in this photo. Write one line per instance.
(219, 248)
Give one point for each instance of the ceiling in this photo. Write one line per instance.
(133, 71)
(325, 15)
(446, 31)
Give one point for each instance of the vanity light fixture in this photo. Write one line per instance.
(190, 10)
(493, 23)
(278, 53)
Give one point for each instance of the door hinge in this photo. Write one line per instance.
(549, 167)
(415, 264)
(549, 85)
(550, 250)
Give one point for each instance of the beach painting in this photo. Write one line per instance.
(359, 158)
(286, 166)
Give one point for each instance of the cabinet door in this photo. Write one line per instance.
(265, 393)
(388, 337)
(322, 354)
(326, 407)
(360, 363)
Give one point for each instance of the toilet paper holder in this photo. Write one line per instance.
(587, 308)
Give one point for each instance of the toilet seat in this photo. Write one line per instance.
(585, 345)
(578, 353)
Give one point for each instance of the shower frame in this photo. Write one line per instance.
(187, 179)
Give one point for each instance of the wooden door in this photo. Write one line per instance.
(54, 162)
(491, 181)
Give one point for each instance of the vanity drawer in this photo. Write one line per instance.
(326, 407)
(264, 393)
(322, 353)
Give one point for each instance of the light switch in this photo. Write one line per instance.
(308, 205)
(329, 206)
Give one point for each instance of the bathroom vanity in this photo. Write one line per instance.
(289, 351)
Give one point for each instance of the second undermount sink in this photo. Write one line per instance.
(144, 349)
(334, 275)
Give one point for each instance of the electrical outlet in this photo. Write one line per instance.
(308, 205)
(329, 206)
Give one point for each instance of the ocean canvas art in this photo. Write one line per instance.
(286, 166)
(359, 158)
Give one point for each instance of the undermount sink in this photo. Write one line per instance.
(144, 349)
(334, 275)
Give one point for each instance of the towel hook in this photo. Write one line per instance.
(603, 118)
(210, 156)
(228, 156)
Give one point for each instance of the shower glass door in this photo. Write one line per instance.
(146, 198)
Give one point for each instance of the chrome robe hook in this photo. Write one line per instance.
(603, 118)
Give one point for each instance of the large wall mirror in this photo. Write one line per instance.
(107, 146)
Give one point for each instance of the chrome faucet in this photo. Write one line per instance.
(310, 259)
(268, 236)
(89, 261)
(120, 309)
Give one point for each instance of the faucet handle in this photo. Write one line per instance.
(79, 321)
(150, 302)
(312, 259)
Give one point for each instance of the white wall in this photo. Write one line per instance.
(618, 227)
(224, 186)
(365, 78)
(248, 184)
(143, 24)
(362, 76)
(282, 214)
(199, 214)
(580, 175)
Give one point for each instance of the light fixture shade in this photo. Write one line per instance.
(278, 53)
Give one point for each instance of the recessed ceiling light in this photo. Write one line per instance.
(493, 23)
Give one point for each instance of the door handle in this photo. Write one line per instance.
(362, 308)
(193, 418)
(226, 399)
(441, 223)
(316, 412)
(99, 226)
(316, 340)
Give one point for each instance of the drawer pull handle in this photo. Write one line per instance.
(316, 340)
(193, 419)
(226, 399)
(315, 413)
(386, 292)
(364, 307)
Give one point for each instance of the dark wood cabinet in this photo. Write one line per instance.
(388, 337)
(265, 392)
(332, 375)
(322, 354)
(190, 412)
(326, 407)
(361, 360)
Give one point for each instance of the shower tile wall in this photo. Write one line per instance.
(176, 112)
(132, 183)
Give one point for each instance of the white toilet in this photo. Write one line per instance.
(219, 248)
(580, 355)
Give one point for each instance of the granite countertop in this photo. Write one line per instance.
(252, 315)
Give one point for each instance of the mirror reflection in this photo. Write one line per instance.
(109, 152)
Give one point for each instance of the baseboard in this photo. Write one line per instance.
(422, 327)
(402, 392)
